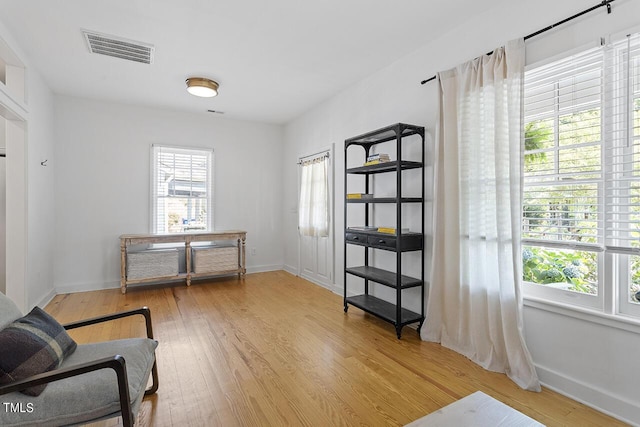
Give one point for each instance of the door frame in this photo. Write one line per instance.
(16, 206)
(330, 151)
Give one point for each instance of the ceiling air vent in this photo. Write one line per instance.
(118, 47)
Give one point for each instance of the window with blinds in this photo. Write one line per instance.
(182, 196)
(622, 130)
(581, 201)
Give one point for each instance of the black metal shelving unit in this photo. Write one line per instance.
(370, 239)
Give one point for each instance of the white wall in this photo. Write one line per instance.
(28, 103)
(40, 141)
(102, 183)
(593, 362)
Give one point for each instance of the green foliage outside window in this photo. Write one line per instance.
(562, 209)
(566, 210)
(547, 266)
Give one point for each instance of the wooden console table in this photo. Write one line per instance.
(127, 240)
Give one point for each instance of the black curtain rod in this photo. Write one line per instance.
(604, 3)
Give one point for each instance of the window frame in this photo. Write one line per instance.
(209, 185)
(612, 300)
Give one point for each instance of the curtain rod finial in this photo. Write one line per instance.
(608, 4)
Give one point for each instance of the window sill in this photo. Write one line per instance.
(617, 321)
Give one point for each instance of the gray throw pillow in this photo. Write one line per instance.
(31, 345)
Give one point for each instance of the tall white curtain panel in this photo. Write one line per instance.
(474, 304)
(313, 207)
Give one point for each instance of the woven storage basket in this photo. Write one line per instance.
(214, 259)
(150, 263)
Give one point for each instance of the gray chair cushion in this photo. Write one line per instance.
(89, 396)
(9, 311)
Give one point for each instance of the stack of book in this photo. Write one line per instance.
(362, 228)
(377, 158)
(359, 196)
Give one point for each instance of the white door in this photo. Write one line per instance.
(315, 257)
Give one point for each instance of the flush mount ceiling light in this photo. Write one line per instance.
(200, 86)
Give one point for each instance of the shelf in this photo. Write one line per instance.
(384, 277)
(387, 200)
(374, 232)
(409, 241)
(384, 167)
(383, 309)
(384, 134)
(368, 237)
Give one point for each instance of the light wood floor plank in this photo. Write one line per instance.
(276, 350)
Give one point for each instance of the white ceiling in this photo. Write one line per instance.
(274, 59)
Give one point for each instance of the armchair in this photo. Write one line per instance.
(84, 388)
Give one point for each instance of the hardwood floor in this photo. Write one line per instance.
(275, 350)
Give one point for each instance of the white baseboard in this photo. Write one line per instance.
(338, 289)
(46, 299)
(290, 269)
(591, 395)
(330, 286)
(85, 287)
(264, 268)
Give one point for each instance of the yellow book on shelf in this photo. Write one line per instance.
(391, 230)
(359, 196)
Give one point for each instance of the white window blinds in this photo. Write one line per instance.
(582, 150)
(622, 131)
(563, 151)
(181, 196)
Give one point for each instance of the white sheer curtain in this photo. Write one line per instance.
(474, 305)
(313, 207)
